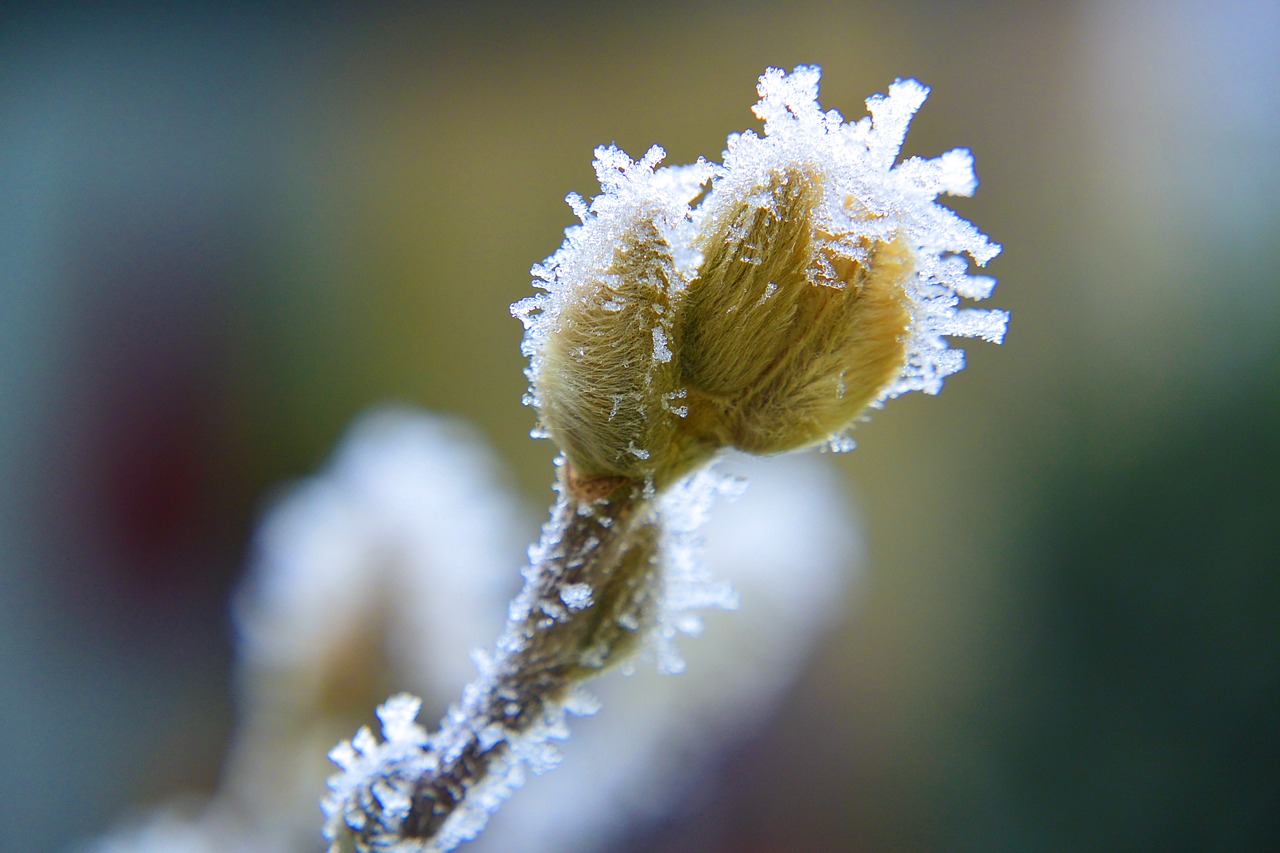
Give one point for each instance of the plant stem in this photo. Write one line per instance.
(585, 602)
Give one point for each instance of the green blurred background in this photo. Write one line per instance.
(226, 230)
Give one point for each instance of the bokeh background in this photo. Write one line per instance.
(226, 230)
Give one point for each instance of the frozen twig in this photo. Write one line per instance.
(587, 596)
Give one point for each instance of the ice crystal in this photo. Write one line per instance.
(689, 586)
(377, 778)
(576, 595)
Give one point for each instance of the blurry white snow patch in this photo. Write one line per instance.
(378, 574)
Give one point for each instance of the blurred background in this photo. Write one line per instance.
(226, 231)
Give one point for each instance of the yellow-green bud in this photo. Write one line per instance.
(609, 363)
(785, 339)
(817, 276)
(601, 341)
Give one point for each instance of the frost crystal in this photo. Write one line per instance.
(689, 586)
(375, 787)
(576, 595)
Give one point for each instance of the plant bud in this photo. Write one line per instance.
(817, 277)
(786, 334)
(601, 340)
(609, 363)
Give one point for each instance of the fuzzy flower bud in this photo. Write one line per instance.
(602, 369)
(610, 354)
(816, 277)
(786, 338)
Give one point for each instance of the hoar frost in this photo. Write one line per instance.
(816, 276)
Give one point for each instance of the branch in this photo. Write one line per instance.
(587, 597)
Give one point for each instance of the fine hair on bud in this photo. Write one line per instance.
(609, 363)
(787, 336)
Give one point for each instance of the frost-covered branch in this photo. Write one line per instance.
(587, 595)
(816, 277)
